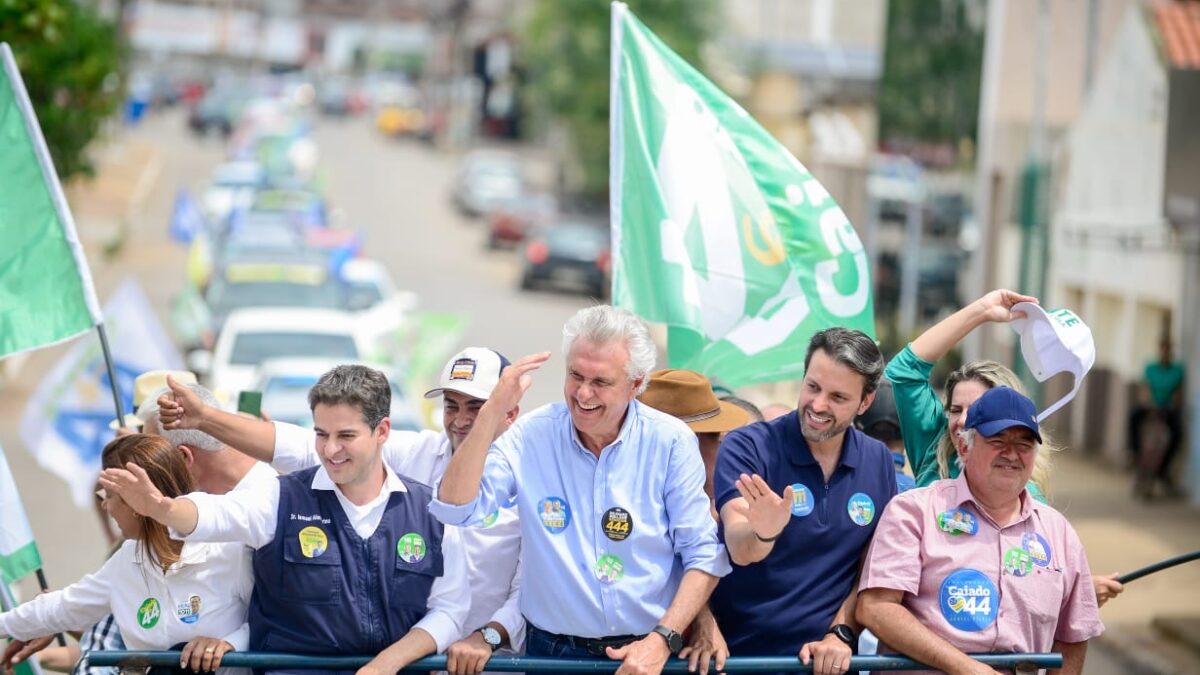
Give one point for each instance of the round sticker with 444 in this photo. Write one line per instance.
(617, 524)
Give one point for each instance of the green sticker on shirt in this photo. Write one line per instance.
(1018, 562)
(411, 548)
(148, 613)
(609, 569)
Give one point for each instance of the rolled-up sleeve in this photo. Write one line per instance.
(245, 516)
(497, 485)
(693, 530)
(891, 563)
(450, 597)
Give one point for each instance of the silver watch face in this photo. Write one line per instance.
(491, 636)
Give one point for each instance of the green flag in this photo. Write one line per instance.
(18, 552)
(46, 293)
(718, 231)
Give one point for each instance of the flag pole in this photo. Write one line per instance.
(41, 579)
(112, 374)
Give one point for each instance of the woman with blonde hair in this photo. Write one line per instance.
(931, 425)
(161, 592)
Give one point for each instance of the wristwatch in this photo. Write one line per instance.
(673, 638)
(491, 636)
(844, 633)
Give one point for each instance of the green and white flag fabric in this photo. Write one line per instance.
(18, 552)
(718, 231)
(46, 293)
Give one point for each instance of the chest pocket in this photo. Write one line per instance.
(316, 580)
(413, 581)
(1045, 591)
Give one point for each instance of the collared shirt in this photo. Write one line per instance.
(789, 598)
(982, 587)
(606, 541)
(205, 594)
(492, 546)
(249, 517)
(258, 477)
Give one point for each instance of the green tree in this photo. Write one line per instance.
(566, 50)
(929, 92)
(70, 58)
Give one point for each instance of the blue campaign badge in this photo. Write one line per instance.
(555, 514)
(802, 500)
(1038, 548)
(958, 522)
(968, 600)
(861, 509)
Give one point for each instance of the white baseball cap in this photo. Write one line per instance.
(1054, 341)
(474, 371)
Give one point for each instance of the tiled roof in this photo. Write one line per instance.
(1179, 23)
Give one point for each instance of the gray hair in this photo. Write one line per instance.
(357, 386)
(605, 324)
(851, 348)
(193, 438)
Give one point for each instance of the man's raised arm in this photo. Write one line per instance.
(183, 409)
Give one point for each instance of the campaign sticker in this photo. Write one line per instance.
(802, 500)
(555, 514)
(188, 612)
(463, 369)
(313, 542)
(861, 509)
(958, 522)
(968, 600)
(411, 548)
(1038, 548)
(617, 524)
(609, 569)
(1018, 562)
(148, 613)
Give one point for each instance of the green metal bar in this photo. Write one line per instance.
(534, 664)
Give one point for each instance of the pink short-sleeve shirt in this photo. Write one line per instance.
(982, 587)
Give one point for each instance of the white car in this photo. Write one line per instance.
(252, 336)
(284, 384)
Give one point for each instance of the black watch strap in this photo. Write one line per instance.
(673, 638)
(844, 633)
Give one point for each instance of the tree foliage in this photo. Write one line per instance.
(70, 60)
(929, 92)
(566, 50)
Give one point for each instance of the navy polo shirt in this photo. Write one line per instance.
(775, 606)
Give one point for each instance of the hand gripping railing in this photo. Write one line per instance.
(537, 664)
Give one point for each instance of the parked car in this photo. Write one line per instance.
(512, 219)
(284, 384)
(574, 254)
(487, 179)
(252, 336)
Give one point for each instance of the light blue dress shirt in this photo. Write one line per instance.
(648, 486)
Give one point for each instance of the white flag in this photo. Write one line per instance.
(65, 424)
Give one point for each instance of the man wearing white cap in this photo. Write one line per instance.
(492, 545)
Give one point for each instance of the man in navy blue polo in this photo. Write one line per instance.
(799, 498)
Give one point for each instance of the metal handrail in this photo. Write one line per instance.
(537, 664)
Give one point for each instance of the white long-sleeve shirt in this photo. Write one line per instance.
(205, 594)
(493, 547)
(250, 517)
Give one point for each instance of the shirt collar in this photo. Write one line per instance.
(963, 494)
(801, 455)
(632, 411)
(391, 482)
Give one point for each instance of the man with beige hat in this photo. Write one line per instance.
(689, 396)
(149, 382)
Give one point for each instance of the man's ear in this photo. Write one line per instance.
(189, 453)
(511, 416)
(866, 403)
(383, 429)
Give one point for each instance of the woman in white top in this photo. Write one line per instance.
(162, 592)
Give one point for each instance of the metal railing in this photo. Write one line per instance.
(536, 664)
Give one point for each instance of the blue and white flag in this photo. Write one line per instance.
(65, 424)
(187, 220)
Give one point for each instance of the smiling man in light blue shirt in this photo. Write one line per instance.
(620, 551)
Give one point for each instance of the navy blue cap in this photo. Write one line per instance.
(1002, 408)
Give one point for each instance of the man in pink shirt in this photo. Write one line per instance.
(974, 564)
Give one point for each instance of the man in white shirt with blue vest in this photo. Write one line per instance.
(348, 559)
(615, 523)
(492, 546)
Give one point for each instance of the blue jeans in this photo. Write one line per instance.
(540, 643)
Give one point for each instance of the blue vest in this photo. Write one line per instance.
(319, 588)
